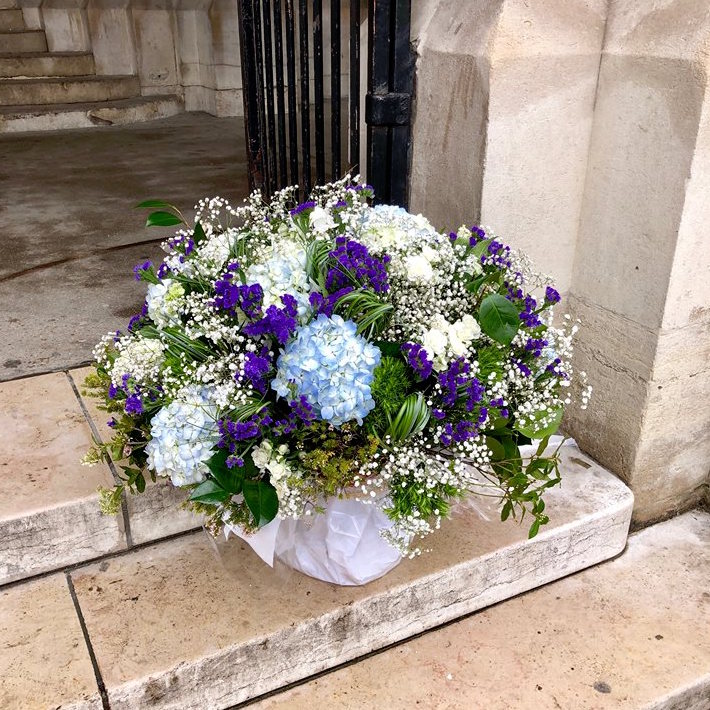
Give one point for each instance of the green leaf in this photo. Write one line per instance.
(499, 318)
(496, 448)
(481, 247)
(199, 233)
(412, 417)
(152, 204)
(230, 479)
(536, 430)
(507, 510)
(140, 483)
(209, 491)
(162, 219)
(262, 500)
(534, 528)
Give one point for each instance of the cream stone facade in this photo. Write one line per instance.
(580, 131)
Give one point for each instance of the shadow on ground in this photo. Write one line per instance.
(70, 236)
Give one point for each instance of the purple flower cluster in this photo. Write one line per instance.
(477, 234)
(256, 370)
(281, 323)
(418, 359)
(138, 320)
(457, 375)
(230, 295)
(230, 432)
(552, 296)
(536, 345)
(302, 208)
(463, 430)
(326, 304)
(528, 315)
(497, 254)
(355, 262)
(139, 269)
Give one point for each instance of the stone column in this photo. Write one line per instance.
(504, 103)
(641, 281)
(112, 40)
(196, 55)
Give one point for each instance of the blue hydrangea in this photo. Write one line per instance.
(183, 436)
(330, 365)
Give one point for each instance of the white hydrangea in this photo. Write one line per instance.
(164, 301)
(140, 358)
(283, 271)
(273, 460)
(320, 220)
(183, 437)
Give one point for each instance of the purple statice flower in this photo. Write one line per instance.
(112, 391)
(163, 270)
(112, 423)
(438, 414)
(256, 370)
(340, 204)
(453, 236)
(451, 379)
(277, 322)
(497, 254)
(230, 296)
(116, 336)
(138, 269)
(514, 291)
(536, 345)
(474, 393)
(499, 404)
(447, 436)
(137, 320)
(418, 359)
(134, 404)
(231, 432)
(303, 410)
(189, 246)
(302, 208)
(359, 188)
(326, 304)
(354, 261)
(529, 317)
(233, 461)
(477, 235)
(524, 369)
(551, 295)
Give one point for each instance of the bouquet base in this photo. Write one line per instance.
(342, 546)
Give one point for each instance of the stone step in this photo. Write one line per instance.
(67, 90)
(11, 20)
(16, 119)
(8, 4)
(22, 42)
(46, 64)
(52, 519)
(631, 633)
(195, 622)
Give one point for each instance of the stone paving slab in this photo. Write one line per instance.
(155, 513)
(632, 633)
(49, 514)
(44, 661)
(194, 623)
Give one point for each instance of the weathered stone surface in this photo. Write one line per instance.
(155, 513)
(19, 42)
(49, 516)
(44, 662)
(43, 64)
(205, 626)
(631, 633)
(61, 90)
(642, 249)
(11, 20)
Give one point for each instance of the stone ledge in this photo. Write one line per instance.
(191, 623)
(633, 633)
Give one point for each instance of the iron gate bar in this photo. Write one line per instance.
(251, 79)
(269, 78)
(259, 61)
(354, 126)
(318, 89)
(305, 99)
(280, 103)
(335, 85)
(291, 69)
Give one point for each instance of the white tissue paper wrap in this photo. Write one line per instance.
(343, 545)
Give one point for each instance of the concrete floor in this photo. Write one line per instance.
(70, 235)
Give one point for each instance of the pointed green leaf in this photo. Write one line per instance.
(162, 219)
(150, 204)
(499, 318)
(209, 491)
(262, 500)
(230, 479)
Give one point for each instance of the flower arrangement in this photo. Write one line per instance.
(289, 353)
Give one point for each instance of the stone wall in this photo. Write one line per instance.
(184, 47)
(580, 131)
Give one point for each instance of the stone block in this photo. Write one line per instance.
(206, 624)
(62, 90)
(631, 633)
(50, 517)
(23, 42)
(44, 661)
(68, 64)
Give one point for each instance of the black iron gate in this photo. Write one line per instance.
(297, 134)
